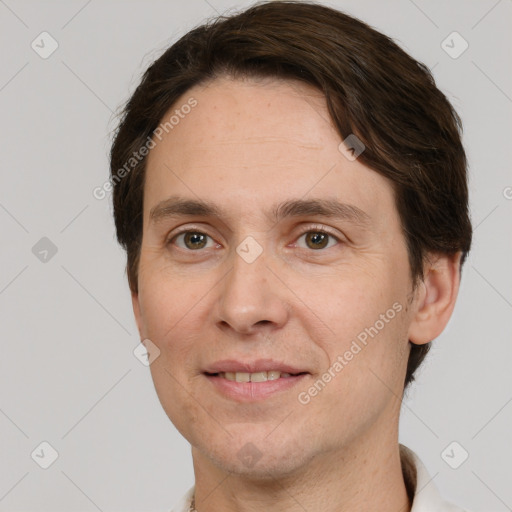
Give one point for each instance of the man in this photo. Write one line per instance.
(290, 187)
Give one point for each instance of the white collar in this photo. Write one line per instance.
(426, 495)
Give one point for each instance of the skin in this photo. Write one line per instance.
(247, 146)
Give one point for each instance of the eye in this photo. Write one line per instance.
(192, 240)
(315, 239)
(318, 238)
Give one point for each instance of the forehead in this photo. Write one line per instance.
(262, 111)
(254, 142)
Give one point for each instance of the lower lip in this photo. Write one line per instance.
(253, 391)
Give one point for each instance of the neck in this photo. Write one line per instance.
(363, 477)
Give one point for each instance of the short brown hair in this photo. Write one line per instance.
(411, 133)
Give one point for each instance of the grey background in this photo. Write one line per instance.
(68, 375)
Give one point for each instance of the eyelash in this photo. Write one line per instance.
(310, 229)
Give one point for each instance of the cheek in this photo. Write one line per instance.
(367, 335)
(172, 314)
(364, 379)
(166, 300)
(347, 306)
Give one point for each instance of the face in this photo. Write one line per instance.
(266, 249)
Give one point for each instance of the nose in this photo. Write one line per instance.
(252, 298)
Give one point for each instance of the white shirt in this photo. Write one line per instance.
(426, 496)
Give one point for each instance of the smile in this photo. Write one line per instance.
(252, 387)
(254, 377)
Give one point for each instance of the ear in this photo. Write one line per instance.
(137, 313)
(435, 297)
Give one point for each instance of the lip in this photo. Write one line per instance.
(253, 391)
(259, 365)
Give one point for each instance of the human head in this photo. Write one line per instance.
(373, 89)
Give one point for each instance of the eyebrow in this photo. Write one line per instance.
(176, 206)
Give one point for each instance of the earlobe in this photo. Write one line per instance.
(435, 298)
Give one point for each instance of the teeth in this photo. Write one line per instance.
(253, 377)
(258, 377)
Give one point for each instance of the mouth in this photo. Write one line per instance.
(254, 386)
(262, 376)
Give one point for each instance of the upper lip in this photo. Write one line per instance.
(259, 365)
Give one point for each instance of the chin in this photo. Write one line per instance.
(260, 460)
